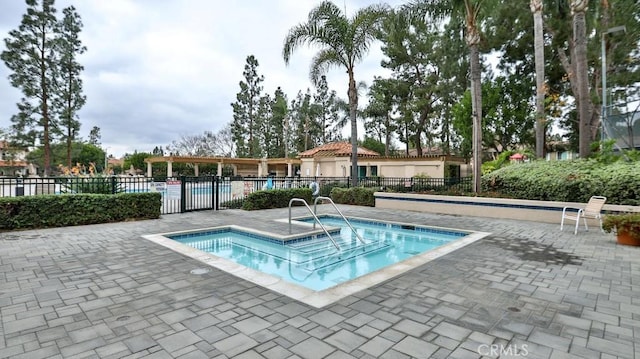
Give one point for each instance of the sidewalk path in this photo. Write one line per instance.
(527, 290)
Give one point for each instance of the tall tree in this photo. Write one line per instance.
(412, 51)
(94, 136)
(302, 121)
(279, 113)
(453, 67)
(507, 123)
(380, 110)
(265, 133)
(70, 98)
(246, 109)
(578, 11)
(325, 102)
(621, 55)
(470, 11)
(32, 56)
(343, 42)
(538, 35)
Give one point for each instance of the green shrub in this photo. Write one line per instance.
(233, 204)
(501, 161)
(626, 222)
(327, 187)
(358, 196)
(44, 211)
(567, 181)
(276, 198)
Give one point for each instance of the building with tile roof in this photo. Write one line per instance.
(329, 160)
(334, 160)
(13, 161)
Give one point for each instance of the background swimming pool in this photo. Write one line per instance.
(315, 263)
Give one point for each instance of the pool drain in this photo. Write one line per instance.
(199, 271)
(122, 318)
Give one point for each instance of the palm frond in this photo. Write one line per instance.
(364, 27)
(323, 61)
(326, 11)
(424, 10)
(296, 37)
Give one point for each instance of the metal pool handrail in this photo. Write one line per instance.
(315, 217)
(315, 204)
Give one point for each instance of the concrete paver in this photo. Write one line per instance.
(104, 291)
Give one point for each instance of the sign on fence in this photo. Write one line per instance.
(237, 188)
(173, 189)
(158, 186)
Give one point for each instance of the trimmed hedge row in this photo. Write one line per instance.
(275, 198)
(279, 198)
(327, 187)
(43, 211)
(568, 181)
(360, 196)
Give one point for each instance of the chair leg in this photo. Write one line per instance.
(602, 230)
(584, 219)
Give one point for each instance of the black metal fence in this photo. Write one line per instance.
(185, 193)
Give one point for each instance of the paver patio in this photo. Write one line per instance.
(527, 290)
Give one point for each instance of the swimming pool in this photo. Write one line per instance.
(310, 267)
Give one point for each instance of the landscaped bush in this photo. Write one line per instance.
(44, 211)
(567, 181)
(276, 198)
(327, 187)
(232, 204)
(357, 195)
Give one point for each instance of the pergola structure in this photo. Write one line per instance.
(241, 166)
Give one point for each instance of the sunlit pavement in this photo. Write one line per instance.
(527, 290)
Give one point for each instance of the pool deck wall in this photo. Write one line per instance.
(527, 210)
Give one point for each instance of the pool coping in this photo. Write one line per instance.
(316, 299)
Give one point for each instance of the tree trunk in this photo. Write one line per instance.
(45, 107)
(353, 106)
(578, 8)
(69, 123)
(387, 134)
(536, 8)
(473, 38)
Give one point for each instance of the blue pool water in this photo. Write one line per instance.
(314, 262)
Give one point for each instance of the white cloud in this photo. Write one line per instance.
(155, 70)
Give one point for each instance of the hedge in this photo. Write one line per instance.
(356, 195)
(276, 198)
(568, 181)
(43, 211)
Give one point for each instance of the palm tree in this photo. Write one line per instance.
(536, 9)
(451, 9)
(343, 42)
(578, 10)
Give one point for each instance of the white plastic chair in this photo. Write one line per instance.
(591, 210)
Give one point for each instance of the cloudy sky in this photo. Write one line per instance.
(159, 69)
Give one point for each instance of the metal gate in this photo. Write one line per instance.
(188, 193)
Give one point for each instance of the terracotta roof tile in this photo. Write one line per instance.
(336, 149)
(13, 163)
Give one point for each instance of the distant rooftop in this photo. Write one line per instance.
(337, 149)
